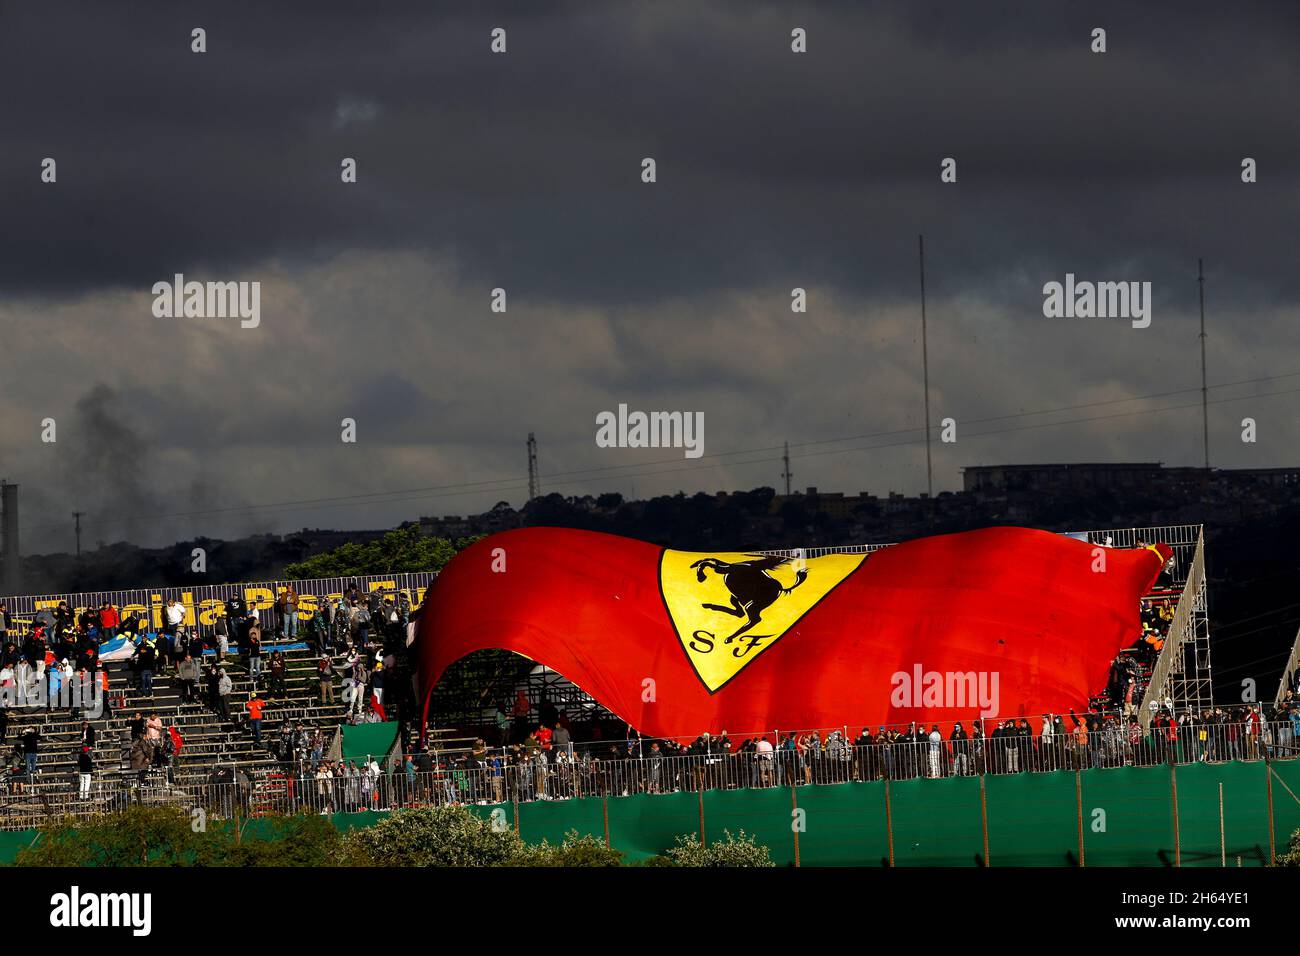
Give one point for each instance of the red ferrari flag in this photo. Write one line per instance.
(1002, 622)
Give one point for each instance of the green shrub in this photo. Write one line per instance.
(585, 850)
(172, 836)
(432, 836)
(730, 851)
(1292, 855)
(303, 839)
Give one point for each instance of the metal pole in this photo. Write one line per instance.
(1272, 846)
(702, 841)
(1223, 843)
(604, 807)
(1173, 800)
(1078, 804)
(889, 822)
(1205, 401)
(925, 372)
(984, 819)
(794, 803)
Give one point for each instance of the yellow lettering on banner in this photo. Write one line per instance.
(306, 605)
(209, 611)
(382, 586)
(130, 609)
(260, 598)
(157, 611)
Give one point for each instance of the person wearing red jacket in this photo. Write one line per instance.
(108, 622)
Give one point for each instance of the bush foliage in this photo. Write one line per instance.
(730, 851)
(425, 837)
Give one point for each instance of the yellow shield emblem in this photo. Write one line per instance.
(730, 607)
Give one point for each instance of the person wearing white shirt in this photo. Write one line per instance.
(936, 745)
(763, 752)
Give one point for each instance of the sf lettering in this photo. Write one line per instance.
(704, 642)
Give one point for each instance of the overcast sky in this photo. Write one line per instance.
(522, 171)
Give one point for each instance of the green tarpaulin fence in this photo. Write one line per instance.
(1124, 817)
(365, 740)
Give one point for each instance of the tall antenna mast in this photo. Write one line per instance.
(925, 372)
(1205, 392)
(786, 472)
(534, 482)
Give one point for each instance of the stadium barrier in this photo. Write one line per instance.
(1209, 814)
(565, 775)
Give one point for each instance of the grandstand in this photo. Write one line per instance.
(465, 704)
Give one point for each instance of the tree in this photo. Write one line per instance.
(398, 551)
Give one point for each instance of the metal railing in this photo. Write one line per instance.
(337, 788)
(1182, 633)
(1293, 661)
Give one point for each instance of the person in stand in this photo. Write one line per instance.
(188, 675)
(278, 668)
(221, 634)
(108, 622)
(224, 687)
(31, 744)
(254, 644)
(290, 612)
(254, 707)
(146, 660)
(85, 772)
(960, 751)
(325, 674)
(172, 630)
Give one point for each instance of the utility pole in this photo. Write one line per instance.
(786, 472)
(534, 482)
(925, 372)
(1205, 392)
(77, 516)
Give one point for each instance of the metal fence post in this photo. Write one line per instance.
(889, 822)
(702, 840)
(604, 807)
(1078, 805)
(514, 796)
(794, 820)
(1272, 842)
(984, 819)
(1223, 842)
(1173, 801)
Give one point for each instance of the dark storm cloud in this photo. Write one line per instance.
(526, 165)
(522, 171)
